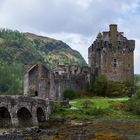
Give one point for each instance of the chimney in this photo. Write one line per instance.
(113, 33)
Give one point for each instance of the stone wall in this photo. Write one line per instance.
(37, 81)
(44, 83)
(68, 81)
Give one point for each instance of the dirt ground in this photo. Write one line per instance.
(98, 130)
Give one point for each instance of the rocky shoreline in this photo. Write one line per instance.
(72, 130)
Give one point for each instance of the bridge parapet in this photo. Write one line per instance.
(22, 110)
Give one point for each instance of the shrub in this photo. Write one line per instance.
(115, 89)
(138, 92)
(99, 86)
(103, 87)
(133, 105)
(87, 104)
(70, 94)
(119, 106)
(57, 108)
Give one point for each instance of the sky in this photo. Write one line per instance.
(76, 22)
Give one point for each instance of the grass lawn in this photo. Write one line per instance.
(95, 108)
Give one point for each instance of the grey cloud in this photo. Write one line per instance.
(82, 19)
(61, 15)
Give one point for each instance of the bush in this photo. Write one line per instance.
(70, 94)
(119, 106)
(133, 105)
(103, 87)
(99, 86)
(138, 93)
(57, 108)
(116, 89)
(87, 104)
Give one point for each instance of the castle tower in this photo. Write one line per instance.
(112, 54)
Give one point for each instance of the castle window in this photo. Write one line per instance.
(75, 71)
(114, 62)
(48, 83)
(36, 93)
(114, 65)
(105, 43)
(129, 65)
(119, 42)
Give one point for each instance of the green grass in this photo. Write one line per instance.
(95, 108)
(98, 102)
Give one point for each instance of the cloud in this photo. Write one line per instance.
(75, 16)
(76, 22)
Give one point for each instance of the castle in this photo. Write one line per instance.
(44, 83)
(111, 54)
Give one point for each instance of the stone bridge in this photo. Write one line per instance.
(22, 111)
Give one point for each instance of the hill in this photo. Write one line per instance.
(17, 49)
(30, 48)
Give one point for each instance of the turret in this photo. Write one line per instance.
(113, 33)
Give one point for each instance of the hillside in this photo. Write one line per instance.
(30, 48)
(17, 49)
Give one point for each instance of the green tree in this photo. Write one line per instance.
(100, 85)
(11, 78)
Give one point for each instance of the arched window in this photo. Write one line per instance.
(114, 62)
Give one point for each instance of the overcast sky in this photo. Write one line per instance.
(75, 22)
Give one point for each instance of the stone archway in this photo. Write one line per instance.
(24, 117)
(40, 115)
(5, 118)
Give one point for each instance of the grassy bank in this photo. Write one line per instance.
(95, 108)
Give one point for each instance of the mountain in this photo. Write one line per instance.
(17, 49)
(30, 48)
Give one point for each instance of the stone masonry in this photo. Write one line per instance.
(50, 84)
(112, 54)
(22, 111)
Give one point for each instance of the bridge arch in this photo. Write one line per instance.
(40, 115)
(24, 117)
(5, 118)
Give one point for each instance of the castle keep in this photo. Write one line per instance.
(112, 54)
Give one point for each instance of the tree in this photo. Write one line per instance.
(99, 86)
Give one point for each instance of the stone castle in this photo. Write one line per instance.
(111, 54)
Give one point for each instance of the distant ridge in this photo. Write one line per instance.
(30, 48)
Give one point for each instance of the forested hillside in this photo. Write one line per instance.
(17, 49)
